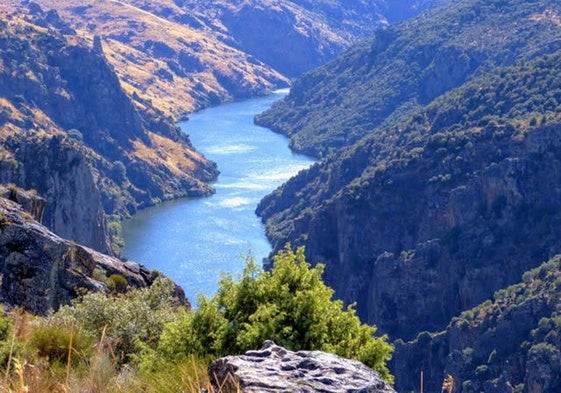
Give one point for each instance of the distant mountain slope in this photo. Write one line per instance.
(294, 36)
(431, 213)
(410, 64)
(184, 55)
(177, 67)
(69, 131)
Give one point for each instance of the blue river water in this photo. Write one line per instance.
(193, 240)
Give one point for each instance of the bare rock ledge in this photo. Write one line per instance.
(276, 369)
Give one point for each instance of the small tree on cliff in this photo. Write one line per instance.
(290, 305)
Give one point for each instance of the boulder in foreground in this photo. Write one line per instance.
(276, 369)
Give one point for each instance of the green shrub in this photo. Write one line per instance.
(9, 345)
(138, 315)
(117, 283)
(200, 333)
(56, 343)
(99, 275)
(289, 305)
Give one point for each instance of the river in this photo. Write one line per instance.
(193, 240)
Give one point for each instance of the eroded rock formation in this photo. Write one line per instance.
(40, 271)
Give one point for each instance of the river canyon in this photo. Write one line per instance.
(194, 240)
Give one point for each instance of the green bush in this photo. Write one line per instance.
(289, 305)
(8, 343)
(56, 343)
(124, 320)
(200, 333)
(117, 283)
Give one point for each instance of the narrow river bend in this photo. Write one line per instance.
(193, 240)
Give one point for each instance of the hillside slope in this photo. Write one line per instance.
(408, 65)
(508, 344)
(185, 55)
(69, 131)
(432, 212)
(294, 36)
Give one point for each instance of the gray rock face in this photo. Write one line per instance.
(413, 251)
(32, 204)
(40, 271)
(276, 369)
(60, 173)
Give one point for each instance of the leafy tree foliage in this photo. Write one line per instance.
(290, 305)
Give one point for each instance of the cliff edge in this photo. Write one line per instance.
(40, 271)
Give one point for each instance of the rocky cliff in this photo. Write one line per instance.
(71, 132)
(430, 244)
(60, 173)
(507, 344)
(41, 271)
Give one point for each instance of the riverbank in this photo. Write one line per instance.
(193, 240)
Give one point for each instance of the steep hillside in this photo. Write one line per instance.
(430, 215)
(290, 36)
(184, 55)
(70, 132)
(160, 58)
(408, 65)
(294, 36)
(508, 344)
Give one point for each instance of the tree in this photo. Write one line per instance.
(290, 305)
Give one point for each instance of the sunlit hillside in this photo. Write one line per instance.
(171, 64)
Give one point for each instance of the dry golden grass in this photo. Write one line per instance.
(6, 105)
(548, 16)
(125, 27)
(26, 373)
(178, 159)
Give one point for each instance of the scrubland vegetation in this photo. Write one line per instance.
(144, 340)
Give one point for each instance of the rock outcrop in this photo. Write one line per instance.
(509, 344)
(69, 130)
(29, 202)
(39, 271)
(59, 171)
(276, 369)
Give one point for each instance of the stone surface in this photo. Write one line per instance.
(39, 271)
(276, 369)
(33, 204)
